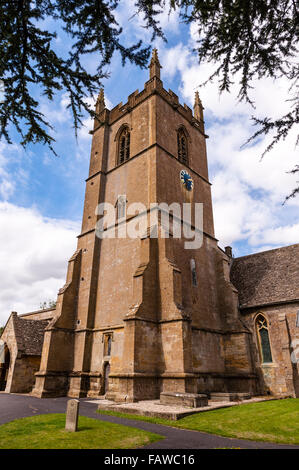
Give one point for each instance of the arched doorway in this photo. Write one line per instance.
(106, 377)
(4, 365)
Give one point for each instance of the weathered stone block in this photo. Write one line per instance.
(72, 411)
(190, 400)
(233, 396)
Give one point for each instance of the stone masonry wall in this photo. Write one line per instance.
(281, 377)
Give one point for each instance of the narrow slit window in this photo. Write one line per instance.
(193, 273)
(121, 205)
(107, 344)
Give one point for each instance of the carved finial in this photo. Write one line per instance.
(155, 65)
(198, 107)
(100, 104)
(155, 57)
(197, 98)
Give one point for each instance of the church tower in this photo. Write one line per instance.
(143, 315)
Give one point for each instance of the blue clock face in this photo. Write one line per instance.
(186, 180)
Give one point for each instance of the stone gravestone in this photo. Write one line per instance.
(72, 411)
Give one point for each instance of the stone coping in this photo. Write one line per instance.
(184, 395)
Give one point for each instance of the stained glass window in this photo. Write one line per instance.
(264, 341)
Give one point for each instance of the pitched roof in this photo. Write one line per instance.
(29, 335)
(267, 277)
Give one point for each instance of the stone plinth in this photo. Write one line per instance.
(188, 400)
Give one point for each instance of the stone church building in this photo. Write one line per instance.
(138, 317)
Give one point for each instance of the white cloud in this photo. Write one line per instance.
(57, 110)
(248, 193)
(34, 251)
(277, 236)
(132, 22)
(269, 174)
(10, 173)
(7, 187)
(269, 96)
(174, 59)
(169, 20)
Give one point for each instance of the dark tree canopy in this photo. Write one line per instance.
(28, 58)
(255, 38)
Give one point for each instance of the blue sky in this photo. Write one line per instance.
(41, 196)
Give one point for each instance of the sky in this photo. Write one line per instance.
(41, 196)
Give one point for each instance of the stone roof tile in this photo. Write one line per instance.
(30, 335)
(267, 277)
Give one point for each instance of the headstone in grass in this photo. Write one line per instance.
(72, 411)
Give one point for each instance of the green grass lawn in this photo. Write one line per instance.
(47, 432)
(272, 421)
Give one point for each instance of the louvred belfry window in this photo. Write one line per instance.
(124, 146)
(182, 147)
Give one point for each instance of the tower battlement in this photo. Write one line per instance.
(153, 86)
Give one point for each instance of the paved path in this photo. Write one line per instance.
(13, 406)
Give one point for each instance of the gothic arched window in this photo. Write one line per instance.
(124, 145)
(262, 330)
(182, 146)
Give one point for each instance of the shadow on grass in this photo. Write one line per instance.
(83, 428)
